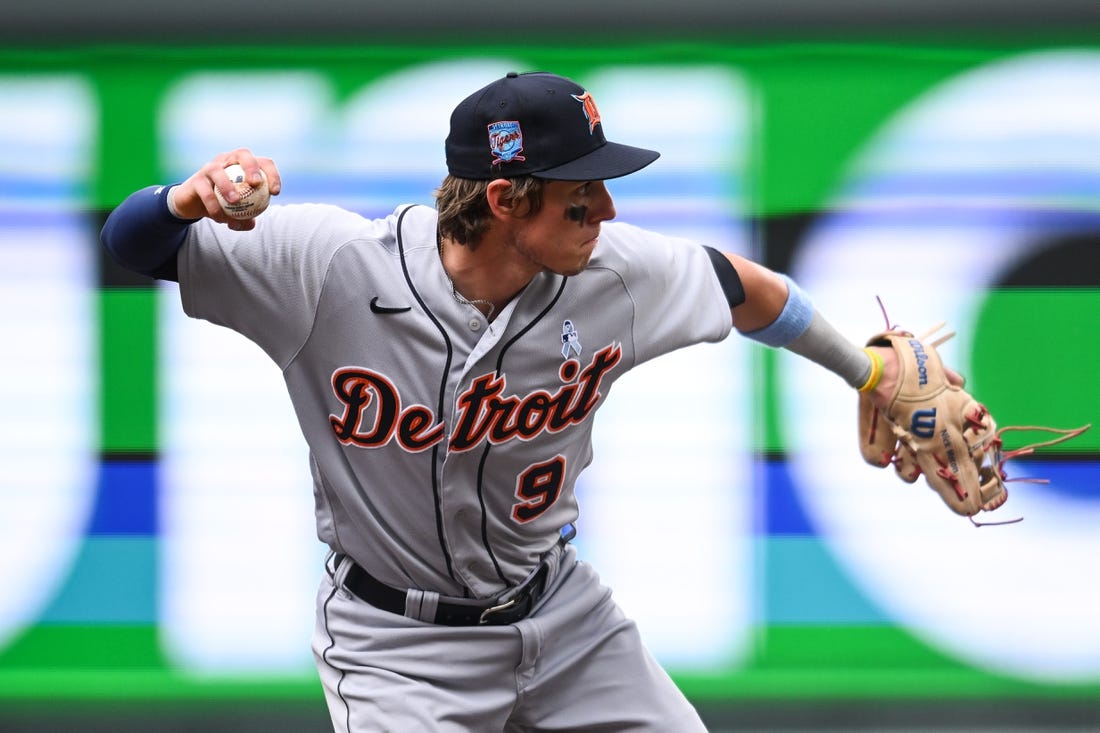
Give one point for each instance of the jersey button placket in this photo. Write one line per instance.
(461, 517)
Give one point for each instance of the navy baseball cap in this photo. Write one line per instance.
(536, 124)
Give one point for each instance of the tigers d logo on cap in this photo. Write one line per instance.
(536, 124)
(591, 113)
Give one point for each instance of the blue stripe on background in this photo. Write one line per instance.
(1008, 215)
(406, 189)
(803, 585)
(801, 582)
(126, 499)
(22, 188)
(782, 511)
(1077, 479)
(113, 581)
(1014, 183)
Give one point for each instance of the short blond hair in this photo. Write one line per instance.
(463, 208)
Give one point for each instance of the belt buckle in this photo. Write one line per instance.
(484, 618)
(520, 593)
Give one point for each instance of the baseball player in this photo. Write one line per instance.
(445, 365)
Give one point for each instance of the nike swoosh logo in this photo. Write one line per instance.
(375, 308)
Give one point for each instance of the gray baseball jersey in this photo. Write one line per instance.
(444, 448)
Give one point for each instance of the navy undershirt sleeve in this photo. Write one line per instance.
(142, 235)
(727, 277)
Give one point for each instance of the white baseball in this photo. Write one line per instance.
(253, 201)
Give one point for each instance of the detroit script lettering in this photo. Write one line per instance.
(483, 412)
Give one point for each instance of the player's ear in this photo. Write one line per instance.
(502, 200)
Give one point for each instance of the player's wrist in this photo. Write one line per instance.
(877, 367)
(170, 201)
(882, 393)
(180, 207)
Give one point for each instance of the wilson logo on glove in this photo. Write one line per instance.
(922, 361)
(923, 424)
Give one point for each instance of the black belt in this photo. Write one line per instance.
(511, 606)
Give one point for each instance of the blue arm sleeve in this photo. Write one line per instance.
(792, 321)
(142, 235)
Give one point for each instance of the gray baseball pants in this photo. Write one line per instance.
(575, 664)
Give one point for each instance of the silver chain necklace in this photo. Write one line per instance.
(459, 297)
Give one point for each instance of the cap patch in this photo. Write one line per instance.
(506, 141)
(590, 112)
